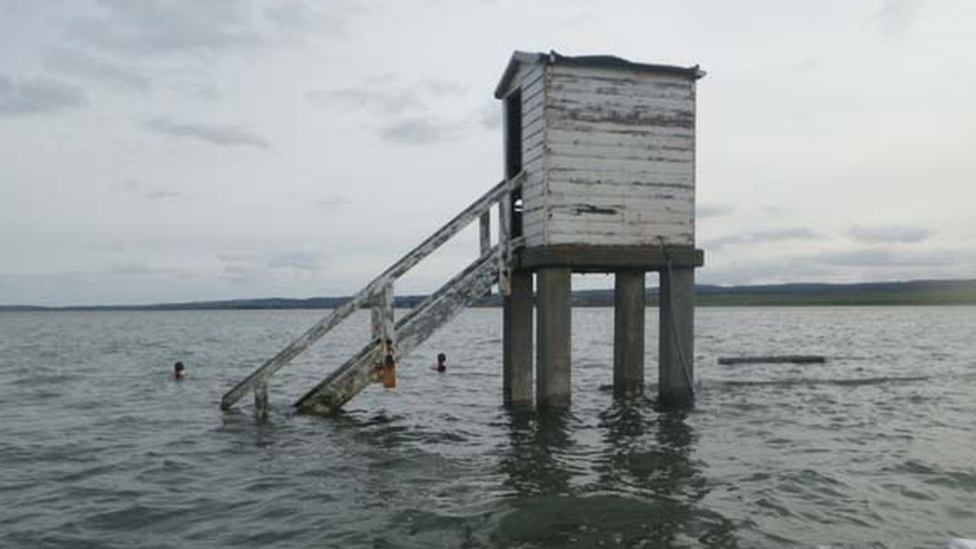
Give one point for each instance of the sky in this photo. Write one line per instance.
(182, 150)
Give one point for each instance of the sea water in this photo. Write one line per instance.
(100, 447)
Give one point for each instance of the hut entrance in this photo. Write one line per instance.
(513, 155)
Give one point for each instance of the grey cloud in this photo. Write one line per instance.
(806, 65)
(298, 261)
(207, 93)
(490, 116)
(159, 194)
(193, 27)
(896, 16)
(332, 201)
(242, 268)
(243, 273)
(291, 15)
(234, 257)
(198, 91)
(772, 271)
(217, 134)
(387, 79)
(421, 131)
(127, 185)
(377, 101)
(253, 267)
(297, 19)
(151, 27)
(100, 69)
(775, 210)
(139, 269)
(888, 235)
(704, 211)
(887, 257)
(381, 95)
(37, 96)
(762, 237)
(149, 193)
(443, 88)
(866, 263)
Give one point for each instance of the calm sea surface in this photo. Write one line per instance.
(100, 448)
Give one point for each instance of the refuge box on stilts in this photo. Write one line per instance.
(607, 151)
(599, 177)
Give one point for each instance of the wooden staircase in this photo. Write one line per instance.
(396, 338)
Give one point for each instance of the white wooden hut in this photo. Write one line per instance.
(606, 149)
(607, 146)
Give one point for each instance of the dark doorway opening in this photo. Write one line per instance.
(513, 155)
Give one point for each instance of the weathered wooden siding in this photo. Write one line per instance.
(619, 158)
(530, 78)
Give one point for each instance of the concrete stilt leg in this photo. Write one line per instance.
(628, 334)
(677, 337)
(553, 379)
(517, 341)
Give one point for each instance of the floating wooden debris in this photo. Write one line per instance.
(773, 359)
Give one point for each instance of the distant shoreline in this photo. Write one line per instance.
(918, 292)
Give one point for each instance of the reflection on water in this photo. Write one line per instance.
(640, 491)
(538, 441)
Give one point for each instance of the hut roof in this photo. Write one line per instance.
(599, 61)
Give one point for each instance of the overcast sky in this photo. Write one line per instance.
(157, 150)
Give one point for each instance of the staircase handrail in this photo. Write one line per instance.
(260, 376)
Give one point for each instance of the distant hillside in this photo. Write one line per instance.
(918, 292)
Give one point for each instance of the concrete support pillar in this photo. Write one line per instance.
(517, 340)
(628, 334)
(553, 358)
(677, 337)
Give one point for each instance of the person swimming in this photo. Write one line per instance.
(179, 371)
(441, 363)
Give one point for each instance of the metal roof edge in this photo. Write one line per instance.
(614, 62)
(604, 61)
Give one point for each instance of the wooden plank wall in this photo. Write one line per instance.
(620, 156)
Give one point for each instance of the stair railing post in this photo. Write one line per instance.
(484, 226)
(384, 330)
(504, 241)
(381, 312)
(261, 400)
